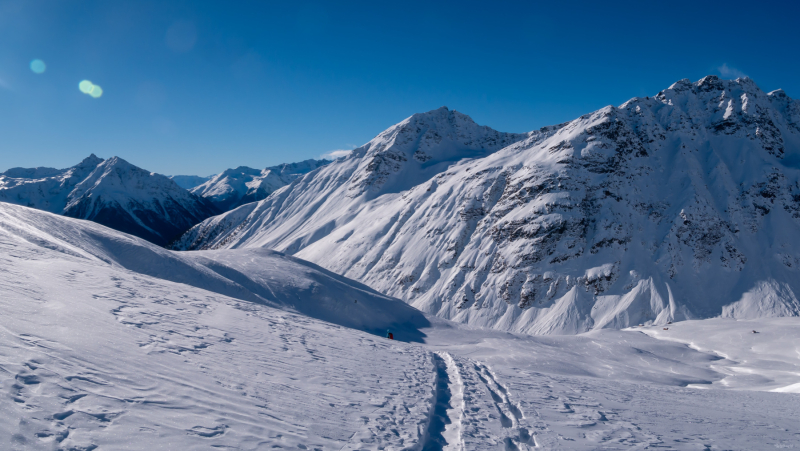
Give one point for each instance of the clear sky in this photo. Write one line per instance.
(195, 87)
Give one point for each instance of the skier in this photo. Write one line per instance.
(389, 334)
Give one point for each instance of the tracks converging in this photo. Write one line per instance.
(468, 402)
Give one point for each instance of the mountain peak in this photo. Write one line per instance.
(114, 193)
(91, 160)
(117, 161)
(439, 114)
(420, 147)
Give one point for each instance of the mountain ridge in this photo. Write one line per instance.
(111, 192)
(626, 215)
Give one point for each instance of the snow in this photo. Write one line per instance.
(97, 351)
(110, 342)
(767, 359)
(112, 192)
(688, 200)
(235, 187)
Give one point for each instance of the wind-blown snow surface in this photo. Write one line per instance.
(109, 342)
(762, 354)
(683, 205)
(235, 187)
(111, 192)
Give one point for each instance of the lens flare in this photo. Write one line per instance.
(38, 66)
(85, 86)
(96, 91)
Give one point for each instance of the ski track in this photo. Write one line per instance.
(444, 428)
(471, 410)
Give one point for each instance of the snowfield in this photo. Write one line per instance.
(109, 342)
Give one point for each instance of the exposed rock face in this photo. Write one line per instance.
(682, 205)
(111, 192)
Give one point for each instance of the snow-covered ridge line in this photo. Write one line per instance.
(235, 187)
(681, 205)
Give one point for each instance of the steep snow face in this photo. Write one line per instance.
(189, 181)
(683, 205)
(111, 192)
(312, 206)
(242, 185)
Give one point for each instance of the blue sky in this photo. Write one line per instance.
(195, 87)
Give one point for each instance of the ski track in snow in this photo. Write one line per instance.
(443, 432)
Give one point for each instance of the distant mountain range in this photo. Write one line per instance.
(235, 187)
(125, 197)
(681, 205)
(111, 192)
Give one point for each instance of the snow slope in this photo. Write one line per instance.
(235, 187)
(682, 205)
(111, 192)
(110, 342)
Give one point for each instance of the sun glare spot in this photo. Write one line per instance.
(38, 66)
(87, 87)
(96, 91)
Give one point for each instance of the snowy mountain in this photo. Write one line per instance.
(111, 192)
(235, 187)
(682, 205)
(108, 341)
(189, 181)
